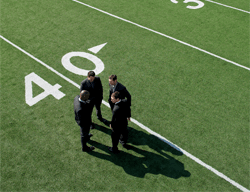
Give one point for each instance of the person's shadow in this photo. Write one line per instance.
(141, 138)
(147, 162)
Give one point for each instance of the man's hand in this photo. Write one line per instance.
(110, 126)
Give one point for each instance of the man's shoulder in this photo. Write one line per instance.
(77, 97)
(120, 86)
(97, 79)
(85, 81)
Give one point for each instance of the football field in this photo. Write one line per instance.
(186, 65)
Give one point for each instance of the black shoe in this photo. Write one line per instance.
(92, 126)
(88, 149)
(113, 151)
(100, 119)
(103, 120)
(126, 146)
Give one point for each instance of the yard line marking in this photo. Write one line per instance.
(139, 124)
(182, 42)
(228, 6)
(39, 61)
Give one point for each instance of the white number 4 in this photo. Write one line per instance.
(48, 89)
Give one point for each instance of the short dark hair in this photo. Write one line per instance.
(91, 73)
(113, 77)
(84, 95)
(116, 95)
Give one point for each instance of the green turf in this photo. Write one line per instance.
(197, 101)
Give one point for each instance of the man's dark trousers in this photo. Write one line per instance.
(97, 103)
(117, 134)
(85, 137)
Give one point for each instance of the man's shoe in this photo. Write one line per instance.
(100, 119)
(103, 120)
(126, 146)
(113, 151)
(92, 126)
(88, 149)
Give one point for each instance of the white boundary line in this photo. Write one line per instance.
(139, 124)
(182, 42)
(228, 6)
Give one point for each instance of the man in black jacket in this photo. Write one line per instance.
(116, 86)
(82, 109)
(93, 84)
(121, 113)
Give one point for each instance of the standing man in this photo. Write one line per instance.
(121, 113)
(82, 109)
(93, 84)
(116, 86)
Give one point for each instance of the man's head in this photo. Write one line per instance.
(112, 79)
(84, 95)
(91, 76)
(115, 97)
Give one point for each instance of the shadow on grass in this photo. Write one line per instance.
(141, 138)
(145, 162)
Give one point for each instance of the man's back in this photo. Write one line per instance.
(82, 111)
(95, 88)
(121, 112)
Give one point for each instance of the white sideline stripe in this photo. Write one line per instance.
(139, 124)
(228, 6)
(182, 42)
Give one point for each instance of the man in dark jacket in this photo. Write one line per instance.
(82, 109)
(93, 84)
(116, 86)
(121, 113)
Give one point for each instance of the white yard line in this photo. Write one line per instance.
(228, 6)
(182, 42)
(138, 123)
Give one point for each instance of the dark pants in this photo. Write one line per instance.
(97, 105)
(85, 136)
(117, 134)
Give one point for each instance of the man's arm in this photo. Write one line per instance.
(112, 123)
(83, 86)
(100, 88)
(128, 96)
(128, 110)
(125, 93)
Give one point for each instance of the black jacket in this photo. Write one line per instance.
(82, 112)
(123, 91)
(95, 88)
(121, 112)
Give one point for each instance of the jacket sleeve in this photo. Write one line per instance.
(128, 96)
(83, 86)
(113, 119)
(80, 116)
(128, 110)
(101, 88)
